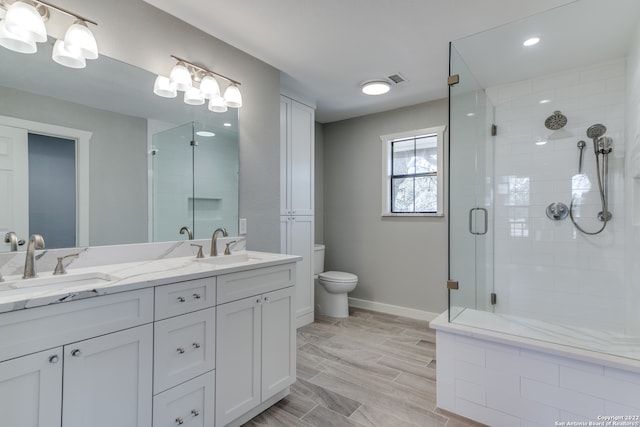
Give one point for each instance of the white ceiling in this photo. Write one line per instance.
(326, 48)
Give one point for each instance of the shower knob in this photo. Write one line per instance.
(557, 211)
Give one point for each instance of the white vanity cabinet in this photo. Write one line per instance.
(72, 347)
(184, 354)
(255, 352)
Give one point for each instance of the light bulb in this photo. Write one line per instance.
(232, 96)
(164, 88)
(63, 57)
(181, 77)
(80, 41)
(217, 105)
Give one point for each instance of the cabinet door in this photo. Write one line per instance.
(301, 244)
(237, 358)
(301, 147)
(278, 341)
(107, 380)
(31, 390)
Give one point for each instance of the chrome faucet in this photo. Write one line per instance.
(188, 231)
(214, 240)
(35, 242)
(12, 239)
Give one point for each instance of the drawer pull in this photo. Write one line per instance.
(180, 350)
(54, 359)
(181, 299)
(196, 345)
(76, 353)
(195, 412)
(179, 421)
(196, 296)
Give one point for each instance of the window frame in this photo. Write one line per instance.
(386, 141)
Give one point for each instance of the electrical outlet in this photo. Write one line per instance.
(242, 226)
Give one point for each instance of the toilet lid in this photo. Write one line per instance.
(337, 277)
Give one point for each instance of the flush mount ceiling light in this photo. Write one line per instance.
(198, 84)
(24, 25)
(531, 41)
(375, 87)
(205, 133)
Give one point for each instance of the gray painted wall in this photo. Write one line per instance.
(139, 34)
(399, 261)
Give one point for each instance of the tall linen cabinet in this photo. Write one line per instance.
(297, 128)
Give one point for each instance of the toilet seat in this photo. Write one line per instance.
(337, 277)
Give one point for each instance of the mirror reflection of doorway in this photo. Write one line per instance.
(52, 189)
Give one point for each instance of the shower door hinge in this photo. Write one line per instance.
(194, 143)
(494, 298)
(452, 284)
(453, 80)
(494, 130)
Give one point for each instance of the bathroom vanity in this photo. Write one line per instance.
(158, 343)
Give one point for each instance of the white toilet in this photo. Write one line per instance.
(331, 287)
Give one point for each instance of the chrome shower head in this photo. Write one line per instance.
(596, 131)
(555, 121)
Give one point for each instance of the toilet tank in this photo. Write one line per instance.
(318, 258)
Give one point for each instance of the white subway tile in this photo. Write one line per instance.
(515, 405)
(569, 400)
(470, 373)
(485, 415)
(601, 386)
(472, 392)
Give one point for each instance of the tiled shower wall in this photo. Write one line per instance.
(547, 269)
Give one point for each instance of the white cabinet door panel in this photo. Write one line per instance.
(108, 380)
(31, 390)
(190, 403)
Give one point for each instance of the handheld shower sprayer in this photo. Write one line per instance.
(601, 146)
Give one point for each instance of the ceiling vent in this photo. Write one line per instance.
(397, 78)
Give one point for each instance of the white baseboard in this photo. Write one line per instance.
(392, 309)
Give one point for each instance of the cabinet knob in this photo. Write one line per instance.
(180, 350)
(179, 421)
(196, 296)
(259, 301)
(195, 412)
(76, 353)
(181, 299)
(196, 345)
(54, 359)
(266, 299)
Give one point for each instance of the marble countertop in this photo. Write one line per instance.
(79, 283)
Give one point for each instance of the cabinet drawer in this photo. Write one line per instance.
(183, 297)
(184, 347)
(190, 403)
(35, 329)
(243, 284)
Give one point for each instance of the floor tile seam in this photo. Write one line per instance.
(309, 411)
(339, 415)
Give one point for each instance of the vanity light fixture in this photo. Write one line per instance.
(198, 84)
(375, 87)
(531, 41)
(24, 25)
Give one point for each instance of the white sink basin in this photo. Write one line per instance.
(51, 282)
(226, 259)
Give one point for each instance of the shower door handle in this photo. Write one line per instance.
(472, 215)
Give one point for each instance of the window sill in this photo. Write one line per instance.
(412, 215)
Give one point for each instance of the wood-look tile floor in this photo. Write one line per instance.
(370, 370)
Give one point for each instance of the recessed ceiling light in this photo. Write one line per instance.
(544, 101)
(375, 87)
(531, 41)
(205, 133)
(227, 124)
(470, 114)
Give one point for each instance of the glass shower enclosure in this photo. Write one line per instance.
(195, 181)
(543, 139)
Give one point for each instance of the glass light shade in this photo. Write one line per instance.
(377, 87)
(217, 105)
(14, 43)
(80, 40)
(209, 87)
(193, 96)
(232, 96)
(181, 77)
(24, 21)
(164, 88)
(63, 57)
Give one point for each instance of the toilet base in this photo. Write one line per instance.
(332, 305)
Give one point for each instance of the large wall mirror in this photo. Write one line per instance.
(93, 157)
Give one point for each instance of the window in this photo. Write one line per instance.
(412, 173)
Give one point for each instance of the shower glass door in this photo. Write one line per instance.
(470, 195)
